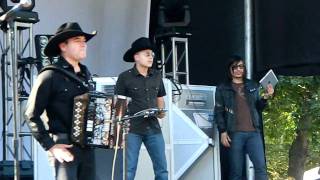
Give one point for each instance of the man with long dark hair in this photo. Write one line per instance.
(237, 111)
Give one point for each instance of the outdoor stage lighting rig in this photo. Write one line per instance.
(20, 11)
(26, 5)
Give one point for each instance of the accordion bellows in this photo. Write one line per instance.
(94, 121)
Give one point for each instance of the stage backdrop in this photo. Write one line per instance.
(118, 23)
(217, 29)
(288, 36)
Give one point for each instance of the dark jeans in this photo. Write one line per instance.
(247, 143)
(156, 148)
(81, 168)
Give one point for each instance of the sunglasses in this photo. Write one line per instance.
(240, 66)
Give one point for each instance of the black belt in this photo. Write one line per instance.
(60, 136)
(64, 138)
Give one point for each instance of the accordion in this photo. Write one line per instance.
(95, 120)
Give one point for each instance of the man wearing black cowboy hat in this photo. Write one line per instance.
(53, 92)
(144, 85)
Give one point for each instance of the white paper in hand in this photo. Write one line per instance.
(269, 78)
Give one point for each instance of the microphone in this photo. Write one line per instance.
(23, 4)
(149, 112)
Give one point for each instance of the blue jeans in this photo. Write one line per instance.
(247, 143)
(156, 148)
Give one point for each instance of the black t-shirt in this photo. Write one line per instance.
(144, 92)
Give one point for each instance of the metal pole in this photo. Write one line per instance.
(3, 83)
(15, 99)
(18, 50)
(32, 69)
(248, 36)
(8, 88)
(249, 64)
(124, 159)
(125, 131)
(187, 61)
(31, 51)
(174, 59)
(163, 59)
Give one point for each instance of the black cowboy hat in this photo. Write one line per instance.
(64, 32)
(140, 44)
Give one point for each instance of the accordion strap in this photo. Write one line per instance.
(67, 73)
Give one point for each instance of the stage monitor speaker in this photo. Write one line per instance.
(197, 102)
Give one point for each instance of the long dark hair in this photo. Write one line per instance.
(235, 59)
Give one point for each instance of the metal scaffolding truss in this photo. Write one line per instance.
(174, 54)
(17, 73)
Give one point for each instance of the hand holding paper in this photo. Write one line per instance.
(269, 78)
(269, 91)
(268, 82)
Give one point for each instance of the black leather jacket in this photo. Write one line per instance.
(225, 105)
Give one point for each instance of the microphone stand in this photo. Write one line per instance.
(125, 130)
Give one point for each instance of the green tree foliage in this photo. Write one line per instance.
(295, 99)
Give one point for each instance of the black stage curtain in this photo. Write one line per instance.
(288, 36)
(286, 32)
(217, 29)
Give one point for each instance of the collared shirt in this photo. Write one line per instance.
(144, 91)
(53, 92)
